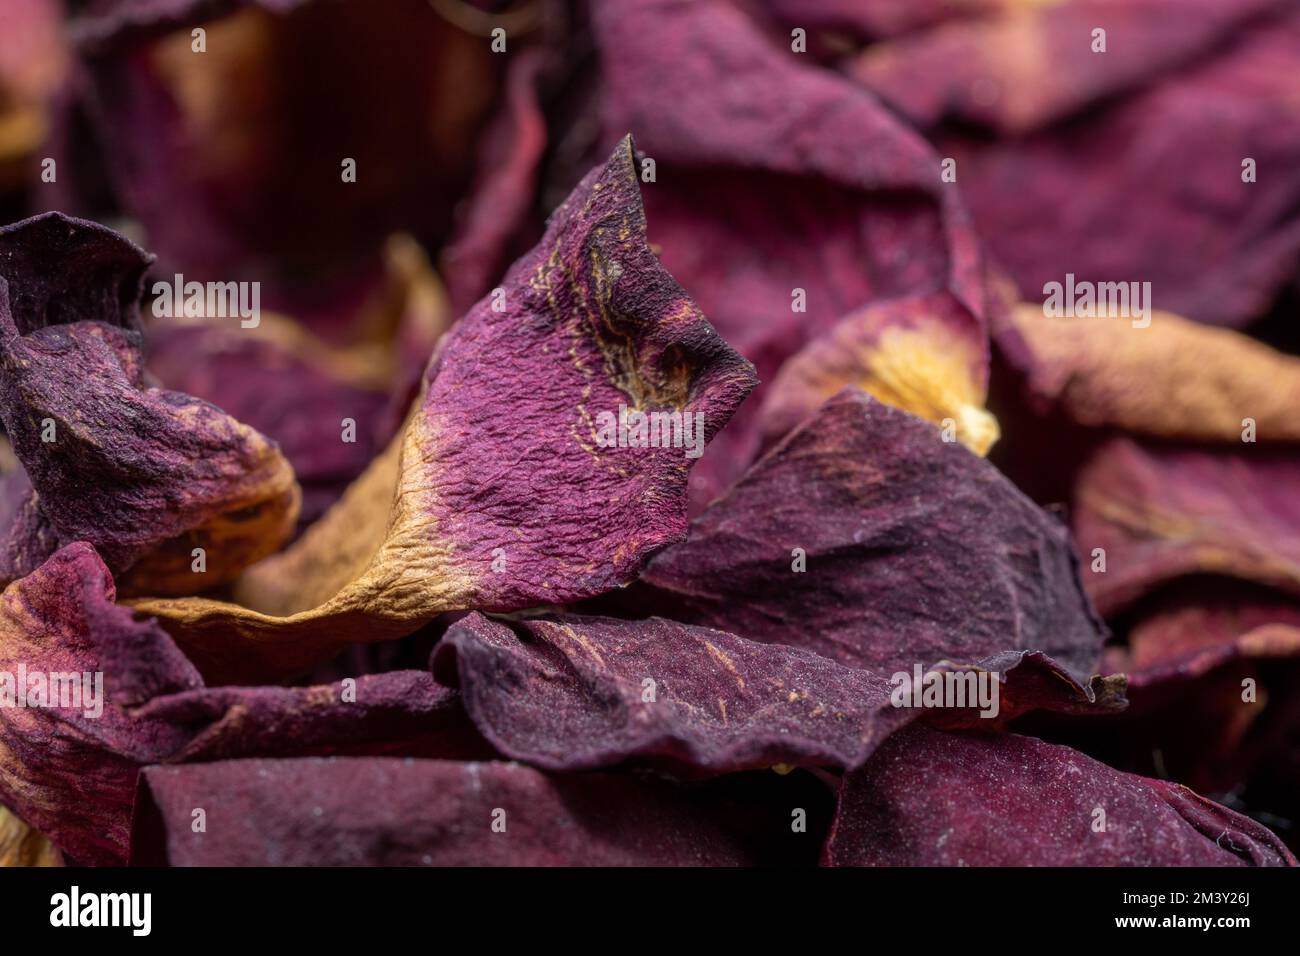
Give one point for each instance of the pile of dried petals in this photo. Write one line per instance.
(433, 566)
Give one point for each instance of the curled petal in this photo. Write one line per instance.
(511, 486)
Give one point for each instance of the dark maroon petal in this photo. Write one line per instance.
(934, 799)
(1199, 626)
(143, 474)
(71, 773)
(578, 692)
(916, 550)
(389, 812)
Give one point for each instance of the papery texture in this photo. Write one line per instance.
(390, 812)
(145, 475)
(581, 692)
(934, 799)
(867, 538)
(506, 489)
(71, 771)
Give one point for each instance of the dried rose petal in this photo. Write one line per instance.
(1164, 119)
(503, 496)
(1161, 512)
(496, 216)
(761, 213)
(389, 812)
(143, 474)
(72, 772)
(300, 391)
(1214, 674)
(879, 350)
(1202, 626)
(1033, 65)
(1173, 379)
(582, 692)
(916, 550)
(232, 160)
(20, 845)
(933, 799)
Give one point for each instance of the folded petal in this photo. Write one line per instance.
(911, 353)
(1213, 671)
(145, 475)
(934, 799)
